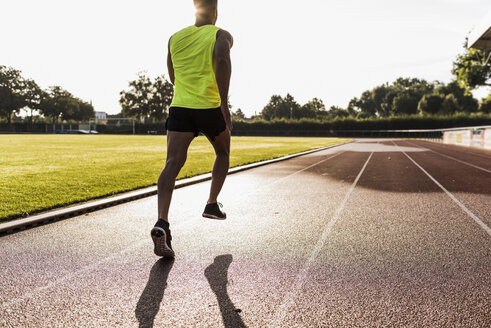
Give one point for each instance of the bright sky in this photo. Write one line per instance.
(333, 50)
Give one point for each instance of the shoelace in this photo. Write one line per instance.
(219, 204)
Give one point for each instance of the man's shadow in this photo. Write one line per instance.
(216, 274)
(149, 303)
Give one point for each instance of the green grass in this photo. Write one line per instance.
(39, 172)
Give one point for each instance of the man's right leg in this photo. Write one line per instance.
(221, 144)
(177, 149)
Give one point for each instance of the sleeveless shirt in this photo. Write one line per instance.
(194, 67)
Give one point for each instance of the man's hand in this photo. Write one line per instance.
(226, 116)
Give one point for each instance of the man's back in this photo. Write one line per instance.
(194, 67)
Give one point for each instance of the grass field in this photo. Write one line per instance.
(39, 172)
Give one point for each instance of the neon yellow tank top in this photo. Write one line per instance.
(194, 67)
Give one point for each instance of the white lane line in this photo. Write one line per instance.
(134, 246)
(462, 206)
(453, 158)
(288, 300)
(447, 146)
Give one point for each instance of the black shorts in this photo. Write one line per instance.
(210, 121)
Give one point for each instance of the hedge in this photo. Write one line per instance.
(285, 127)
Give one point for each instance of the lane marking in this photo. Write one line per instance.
(288, 300)
(449, 147)
(455, 159)
(462, 206)
(134, 246)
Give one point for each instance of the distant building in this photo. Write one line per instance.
(100, 116)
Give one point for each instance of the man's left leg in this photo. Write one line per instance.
(221, 144)
(177, 148)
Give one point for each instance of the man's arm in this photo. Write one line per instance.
(223, 71)
(170, 66)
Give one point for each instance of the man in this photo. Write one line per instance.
(199, 67)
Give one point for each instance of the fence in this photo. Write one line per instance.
(477, 136)
(35, 127)
(431, 134)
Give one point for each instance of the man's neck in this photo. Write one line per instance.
(203, 21)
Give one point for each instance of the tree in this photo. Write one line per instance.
(313, 108)
(430, 104)
(335, 111)
(238, 115)
(271, 110)
(405, 103)
(405, 97)
(69, 107)
(362, 115)
(32, 94)
(465, 100)
(407, 94)
(85, 111)
(364, 104)
(17, 92)
(11, 88)
(353, 107)
(290, 108)
(56, 102)
(418, 85)
(147, 99)
(382, 100)
(161, 98)
(485, 105)
(76, 109)
(279, 107)
(450, 105)
(470, 68)
(135, 102)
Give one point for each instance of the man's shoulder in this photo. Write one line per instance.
(223, 34)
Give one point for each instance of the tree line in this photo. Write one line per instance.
(147, 99)
(18, 92)
(415, 96)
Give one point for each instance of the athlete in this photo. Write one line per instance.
(199, 66)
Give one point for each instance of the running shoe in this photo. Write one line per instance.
(212, 211)
(162, 242)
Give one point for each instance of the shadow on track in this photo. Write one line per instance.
(149, 303)
(216, 274)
